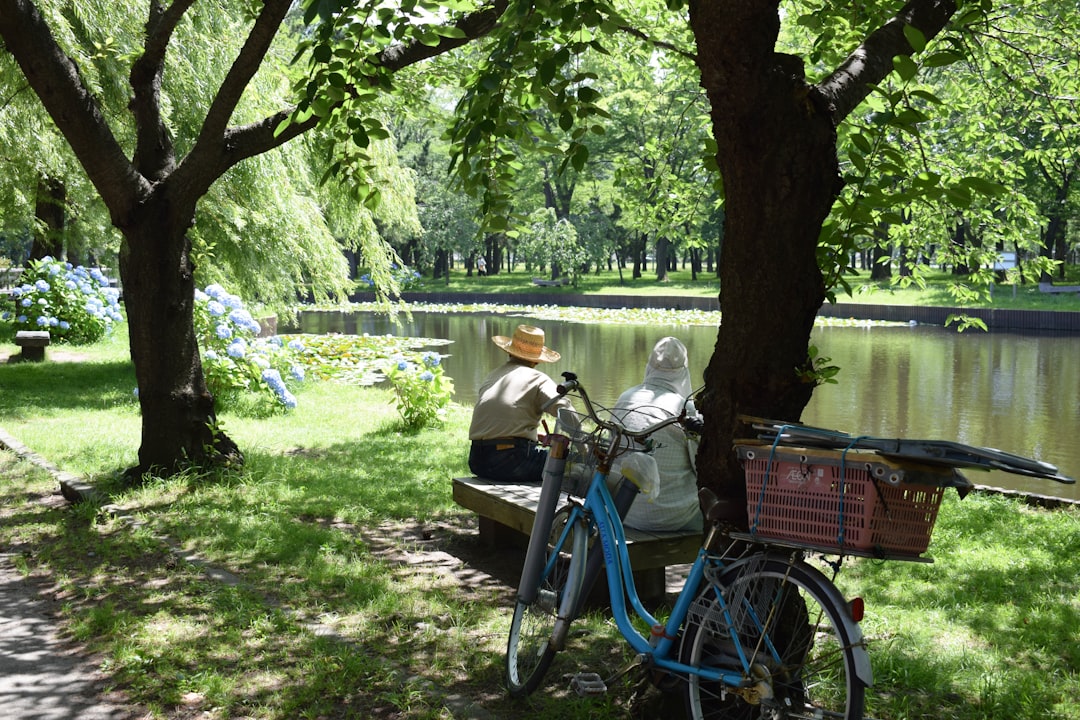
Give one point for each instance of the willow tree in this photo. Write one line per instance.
(154, 164)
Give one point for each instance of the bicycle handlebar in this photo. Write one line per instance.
(571, 384)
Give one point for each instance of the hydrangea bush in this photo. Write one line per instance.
(241, 367)
(422, 390)
(75, 304)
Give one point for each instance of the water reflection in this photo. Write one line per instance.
(1019, 393)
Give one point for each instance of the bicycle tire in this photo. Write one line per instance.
(532, 642)
(816, 676)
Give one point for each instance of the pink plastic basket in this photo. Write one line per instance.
(801, 499)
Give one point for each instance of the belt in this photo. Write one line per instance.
(502, 443)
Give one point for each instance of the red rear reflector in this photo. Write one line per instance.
(856, 607)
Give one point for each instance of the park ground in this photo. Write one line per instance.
(333, 577)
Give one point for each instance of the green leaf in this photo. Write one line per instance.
(580, 157)
(941, 59)
(547, 71)
(915, 38)
(859, 140)
(982, 185)
(905, 67)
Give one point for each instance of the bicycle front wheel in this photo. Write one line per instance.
(537, 630)
(792, 632)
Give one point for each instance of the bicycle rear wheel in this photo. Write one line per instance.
(791, 629)
(537, 632)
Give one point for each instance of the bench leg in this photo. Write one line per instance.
(651, 586)
(32, 353)
(493, 535)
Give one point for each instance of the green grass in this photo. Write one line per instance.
(361, 592)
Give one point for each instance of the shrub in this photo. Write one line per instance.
(240, 367)
(406, 279)
(422, 390)
(75, 304)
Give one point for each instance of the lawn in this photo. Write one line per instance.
(347, 584)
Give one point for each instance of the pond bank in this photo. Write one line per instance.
(999, 320)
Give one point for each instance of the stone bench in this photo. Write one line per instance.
(506, 511)
(33, 344)
(1045, 287)
(550, 283)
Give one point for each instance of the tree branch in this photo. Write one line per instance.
(154, 155)
(55, 78)
(474, 25)
(872, 61)
(215, 142)
(256, 138)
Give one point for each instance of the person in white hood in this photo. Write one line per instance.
(664, 393)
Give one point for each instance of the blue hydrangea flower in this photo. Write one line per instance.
(223, 331)
(431, 359)
(427, 376)
(296, 345)
(26, 302)
(20, 319)
(42, 320)
(65, 325)
(297, 372)
(215, 308)
(237, 348)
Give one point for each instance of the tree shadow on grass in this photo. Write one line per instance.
(32, 387)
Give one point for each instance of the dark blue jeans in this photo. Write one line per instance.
(510, 460)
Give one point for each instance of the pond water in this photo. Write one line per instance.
(1019, 393)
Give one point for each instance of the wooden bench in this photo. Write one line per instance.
(506, 511)
(550, 283)
(33, 344)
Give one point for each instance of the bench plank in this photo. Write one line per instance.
(514, 507)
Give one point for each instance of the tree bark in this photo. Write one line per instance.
(50, 213)
(776, 139)
(179, 420)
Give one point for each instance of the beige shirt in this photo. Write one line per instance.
(511, 402)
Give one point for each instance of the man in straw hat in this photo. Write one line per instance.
(513, 397)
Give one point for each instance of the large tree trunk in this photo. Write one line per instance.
(179, 420)
(776, 142)
(777, 155)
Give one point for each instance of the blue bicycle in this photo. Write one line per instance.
(760, 635)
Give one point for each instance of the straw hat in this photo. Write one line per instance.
(527, 344)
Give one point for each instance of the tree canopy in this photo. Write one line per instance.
(804, 105)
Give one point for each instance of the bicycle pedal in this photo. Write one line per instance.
(588, 684)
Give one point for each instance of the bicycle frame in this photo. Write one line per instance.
(599, 507)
